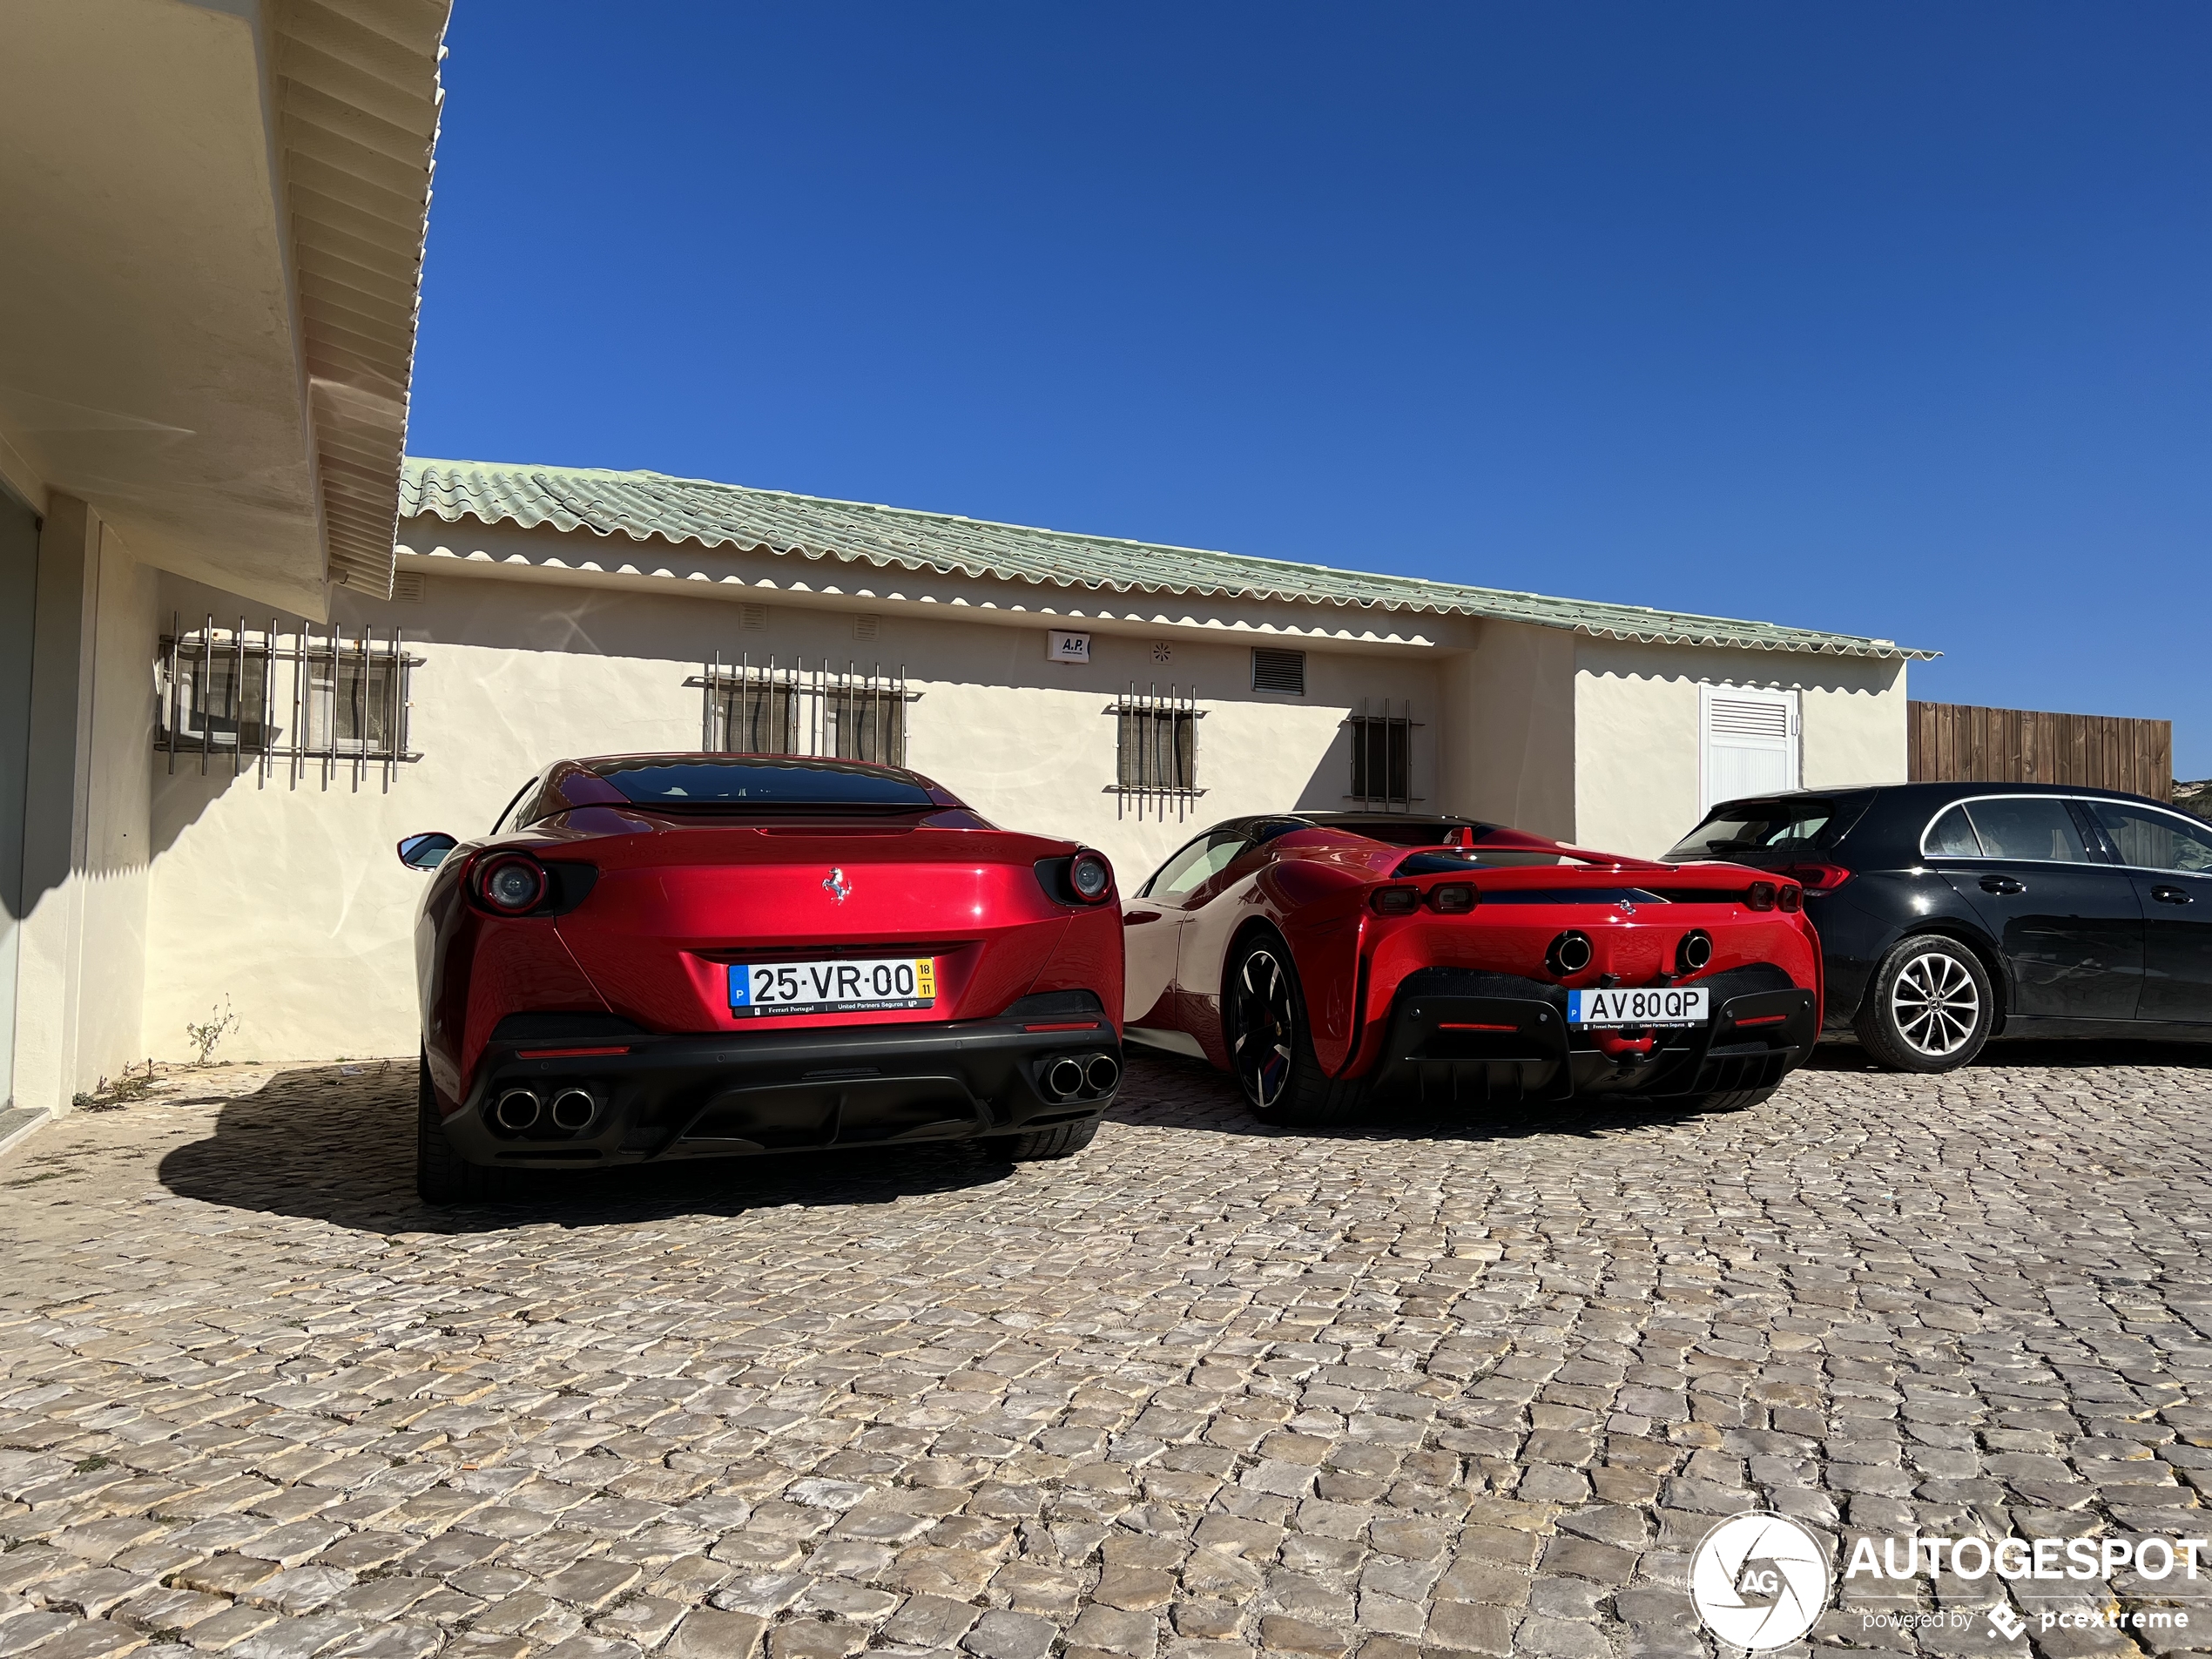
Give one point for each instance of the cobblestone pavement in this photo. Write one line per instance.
(1464, 1387)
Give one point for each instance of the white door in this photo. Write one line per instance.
(1747, 742)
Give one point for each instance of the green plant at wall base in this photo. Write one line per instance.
(204, 1036)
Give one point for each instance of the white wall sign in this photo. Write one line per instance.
(1067, 648)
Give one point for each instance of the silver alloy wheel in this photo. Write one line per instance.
(1935, 1004)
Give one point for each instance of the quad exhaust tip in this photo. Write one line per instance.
(1102, 1073)
(573, 1109)
(517, 1109)
(1065, 1078)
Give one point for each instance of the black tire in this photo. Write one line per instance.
(1059, 1140)
(1270, 1048)
(441, 1175)
(1930, 1007)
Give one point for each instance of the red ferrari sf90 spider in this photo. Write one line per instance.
(687, 955)
(1325, 958)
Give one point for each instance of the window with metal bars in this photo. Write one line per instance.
(275, 695)
(775, 710)
(1155, 743)
(1382, 756)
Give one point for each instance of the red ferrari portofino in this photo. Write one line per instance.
(688, 955)
(1325, 958)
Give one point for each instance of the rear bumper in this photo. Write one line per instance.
(1446, 1047)
(716, 1096)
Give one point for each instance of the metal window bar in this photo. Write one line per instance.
(349, 699)
(748, 708)
(1155, 751)
(1382, 756)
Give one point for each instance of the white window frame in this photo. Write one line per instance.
(1708, 693)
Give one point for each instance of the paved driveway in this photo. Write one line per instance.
(1464, 1387)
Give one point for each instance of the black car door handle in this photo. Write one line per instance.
(2171, 896)
(2002, 884)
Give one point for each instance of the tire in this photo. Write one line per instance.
(1271, 1045)
(441, 1175)
(1930, 1007)
(1059, 1141)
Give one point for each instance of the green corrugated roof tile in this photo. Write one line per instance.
(643, 504)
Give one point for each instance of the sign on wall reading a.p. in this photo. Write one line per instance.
(1067, 648)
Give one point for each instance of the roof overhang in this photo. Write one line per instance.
(215, 214)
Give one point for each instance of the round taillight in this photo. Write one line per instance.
(1091, 877)
(512, 884)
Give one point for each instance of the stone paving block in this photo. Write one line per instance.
(223, 1631)
(711, 1633)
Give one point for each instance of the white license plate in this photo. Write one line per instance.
(871, 987)
(1664, 1005)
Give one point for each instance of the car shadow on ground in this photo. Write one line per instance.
(2076, 1054)
(318, 1142)
(1168, 1091)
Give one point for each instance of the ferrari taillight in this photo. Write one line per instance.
(511, 883)
(1452, 899)
(1090, 876)
(1396, 901)
(1792, 897)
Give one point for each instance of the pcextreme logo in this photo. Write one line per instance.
(1759, 1581)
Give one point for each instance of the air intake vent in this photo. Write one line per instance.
(407, 588)
(863, 626)
(753, 616)
(1278, 670)
(1732, 718)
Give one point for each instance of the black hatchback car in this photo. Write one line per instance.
(1949, 913)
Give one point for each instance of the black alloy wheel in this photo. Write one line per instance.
(1271, 1050)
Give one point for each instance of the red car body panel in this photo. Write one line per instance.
(1314, 886)
(671, 901)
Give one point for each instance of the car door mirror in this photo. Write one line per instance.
(426, 852)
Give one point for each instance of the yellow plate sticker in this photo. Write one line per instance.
(926, 976)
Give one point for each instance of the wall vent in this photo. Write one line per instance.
(753, 616)
(866, 625)
(1278, 670)
(407, 588)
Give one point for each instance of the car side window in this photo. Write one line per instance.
(1207, 856)
(1952, 836)
(2033, 827)
(507, 819)
(2153, 841)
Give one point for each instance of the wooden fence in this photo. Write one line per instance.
(1959, 743)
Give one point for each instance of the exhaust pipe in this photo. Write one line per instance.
(1102, 1073)
(574, 1109)
(517, 1110)
(1570, 953)
(1695, 951)
(1064, 1078)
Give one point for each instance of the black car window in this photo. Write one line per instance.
(2150, 840)
(1209, 855)
(1952, 836)
(2036, 827)
(691, 783)
(1794, 824)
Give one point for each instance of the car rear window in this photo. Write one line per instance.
(689, 784)
(1794, 824)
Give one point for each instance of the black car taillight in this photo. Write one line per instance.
(1759, 895)
(1396, 901)
(1817, 878)
(513, 884)
(1452, 899)
(1091, 877)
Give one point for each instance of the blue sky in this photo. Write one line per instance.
(1889, 318)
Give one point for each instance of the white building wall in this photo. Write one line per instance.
(1508, 729)
(286, 903)
(1636, 737)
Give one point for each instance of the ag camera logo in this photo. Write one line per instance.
(1759, 1581)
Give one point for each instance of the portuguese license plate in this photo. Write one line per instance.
(1663, 1005)
(873, 987)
